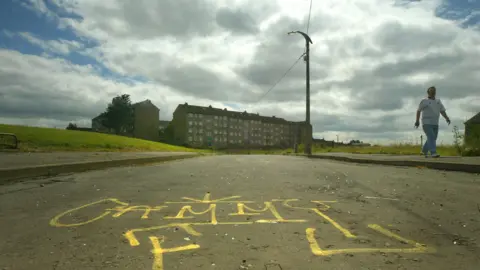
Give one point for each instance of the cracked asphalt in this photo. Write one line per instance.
(243, 212)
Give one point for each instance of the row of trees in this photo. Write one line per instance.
(118, 116)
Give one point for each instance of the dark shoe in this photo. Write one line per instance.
(435, 155)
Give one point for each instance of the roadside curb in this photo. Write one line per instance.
(8, 176)
(445, 166)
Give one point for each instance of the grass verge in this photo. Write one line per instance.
(35, 139)
(397, 149)
(401, 149)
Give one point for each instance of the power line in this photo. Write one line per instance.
(309, 14)
(294, 63)
(281, 78)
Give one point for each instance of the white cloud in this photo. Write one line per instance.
(371, 60)
(60, 46)
(39, 7)
(56, 91)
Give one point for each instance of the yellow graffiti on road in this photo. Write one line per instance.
(417, 247)
(181, 213)
(158, 251)
(145, 208)
(241, 207)
(207, 199)
(55, 221)
(324, 207)
(185, 220)
(130, 234)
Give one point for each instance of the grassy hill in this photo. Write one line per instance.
(49, 139)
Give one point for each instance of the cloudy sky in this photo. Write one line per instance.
(371, 60)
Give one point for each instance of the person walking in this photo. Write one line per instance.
(431, 108)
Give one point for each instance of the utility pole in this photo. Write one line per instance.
(308, 126)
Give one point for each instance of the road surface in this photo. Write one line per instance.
(243, 212)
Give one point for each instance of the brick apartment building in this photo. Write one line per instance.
(472, 130)
(212, 127)
(145, 125)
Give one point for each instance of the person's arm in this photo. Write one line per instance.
(419, 111)
(443, 112)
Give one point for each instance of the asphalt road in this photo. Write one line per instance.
(243, 212)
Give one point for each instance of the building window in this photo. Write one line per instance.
(190, 139)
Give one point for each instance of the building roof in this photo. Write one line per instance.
(233, 114)
(102, 115)
(474, 120)
(145, 102)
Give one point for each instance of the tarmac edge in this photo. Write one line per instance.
(10, 175)
(445, 166)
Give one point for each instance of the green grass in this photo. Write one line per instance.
(394, 149)
(35, 139)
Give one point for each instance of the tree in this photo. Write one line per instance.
(167, 135)
(119, 115)
(72, 126)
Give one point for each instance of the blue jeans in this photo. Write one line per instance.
(431, 143)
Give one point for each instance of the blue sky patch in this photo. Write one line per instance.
(16, 18)
(467, 12)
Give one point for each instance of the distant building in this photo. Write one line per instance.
(212, 127)
(146, 120)
(323, 143)
(472, 130)
(145, 124)
(163, 125)
(98, 126)
(358, 143)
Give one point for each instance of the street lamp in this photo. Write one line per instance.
(308, 140)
